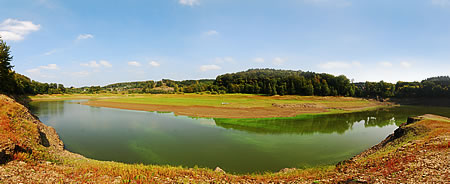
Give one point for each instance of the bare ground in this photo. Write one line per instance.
(277, 110)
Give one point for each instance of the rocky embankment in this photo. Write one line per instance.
(31, 152)
(22, 132)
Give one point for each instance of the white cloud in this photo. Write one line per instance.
(134, 63)
(356, 63)
(224, 60)
(154, 63)
(50, 67)
(34, 71)
(205, 68)
(15, 30)
(105, 63)
(84, 36)
(189, 2)
(406, 64)
(258, 60)
(442, 3)
(334, 65)
(95, 64)
(336, 3)
(385, 64)
(80, 74)
(37, 71)
(278, 61)
(50, 52)
(211, 33)
(92, 64)
(339, 65)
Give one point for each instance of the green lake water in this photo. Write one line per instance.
(237, 146)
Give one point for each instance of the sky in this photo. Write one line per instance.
(84, 42)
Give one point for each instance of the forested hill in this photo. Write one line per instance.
(288, 82)
(284, 82)
(441, 80)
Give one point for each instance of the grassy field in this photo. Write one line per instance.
(234, 100)
(231, 100)
(225, 106)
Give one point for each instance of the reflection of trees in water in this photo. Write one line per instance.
(50, 108)
(334, 123)
(314, 124)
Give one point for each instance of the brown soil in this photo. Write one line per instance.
(277, 110)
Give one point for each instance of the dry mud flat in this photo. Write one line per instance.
(276, 110)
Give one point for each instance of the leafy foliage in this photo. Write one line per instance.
(285, 82)
(6, 78)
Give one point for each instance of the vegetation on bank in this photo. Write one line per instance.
(415, 153)
(238, 100)
(254, 81)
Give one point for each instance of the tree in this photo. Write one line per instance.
(6, 74)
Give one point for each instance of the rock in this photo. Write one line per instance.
(218, 169)
(287, 170)
(413, 120)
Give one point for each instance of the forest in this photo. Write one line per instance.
(252, 81)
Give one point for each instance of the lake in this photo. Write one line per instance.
(235, 145)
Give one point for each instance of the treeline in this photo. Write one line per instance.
(253, 81)
(288, 82)
(285, 82)
(164, 86)
(431, 87)
(14, 83)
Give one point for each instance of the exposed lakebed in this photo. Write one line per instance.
(235, 145)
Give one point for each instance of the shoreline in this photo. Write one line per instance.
(241, 106)
(394, 159)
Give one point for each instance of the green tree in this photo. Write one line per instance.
(6, 74)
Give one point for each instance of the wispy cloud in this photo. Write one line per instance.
(37, 71)
(95, 64)
(405, 64)
(80, 74)
(50, 67)
(258, 60)
(278, 61)
(211, 33)
(134, 63)
(85, 36)
(189, 2)
(205, 68)
(385, 64)
(16, 30)
(339, 65)
(105, 63)
(51, 52)
(154, 63)
(441, 3)
(221, 60)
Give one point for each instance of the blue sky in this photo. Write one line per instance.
(87, 42)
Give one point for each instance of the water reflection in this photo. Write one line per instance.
(335, 123)
(236, 145)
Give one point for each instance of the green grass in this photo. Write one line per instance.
(235, 100)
